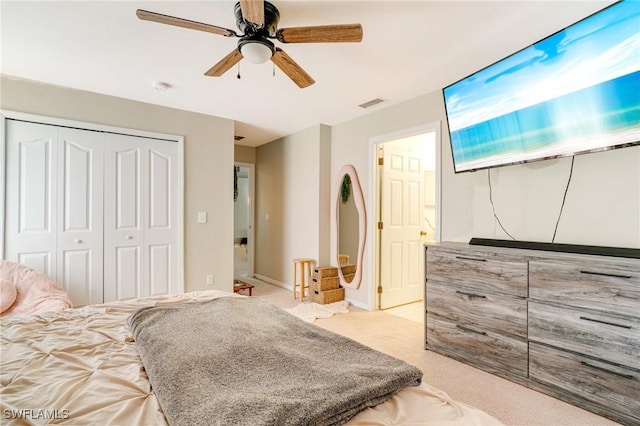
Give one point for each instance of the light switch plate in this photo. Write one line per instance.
(202, 217)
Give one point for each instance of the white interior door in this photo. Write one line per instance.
(141, 224)
(54, 205)
(161, 234)
(123, 229)
(243, 221)
(99, 212)
(31, 194)
(402, 207)
(79, 217)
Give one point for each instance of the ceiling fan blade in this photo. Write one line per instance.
(253, 11)
(345, 33)
(224, 64)
(145, 15)
(292, 69)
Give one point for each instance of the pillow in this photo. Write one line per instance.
(8, 294)
(36, 292)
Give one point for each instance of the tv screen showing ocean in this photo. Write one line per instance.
(589, 119)
(577, 90)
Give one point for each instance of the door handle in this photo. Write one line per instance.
(423, 233)
(77, 241)
(129, 237)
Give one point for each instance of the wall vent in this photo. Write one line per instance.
(371, 103)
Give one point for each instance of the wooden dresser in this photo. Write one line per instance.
(565, 324)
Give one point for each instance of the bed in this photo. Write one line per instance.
(88, 365)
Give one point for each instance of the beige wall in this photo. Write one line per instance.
(244, 154)
(602, 206)
(296, 175)
(208, 160)
(292, 203)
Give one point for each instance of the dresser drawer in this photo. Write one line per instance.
(493, 352)
(597, 285)
(482, 270)
(610, 338)
(614, 388)
(505, 314)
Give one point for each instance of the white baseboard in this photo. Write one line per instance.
(358, 304)
(273, 282)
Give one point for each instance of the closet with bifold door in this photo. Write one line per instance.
(97, 211)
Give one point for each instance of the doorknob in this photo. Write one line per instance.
(129, 237)
(77, 241)
(423, 233)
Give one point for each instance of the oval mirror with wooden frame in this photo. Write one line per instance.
(351, 225)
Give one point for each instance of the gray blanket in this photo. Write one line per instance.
(244, 361)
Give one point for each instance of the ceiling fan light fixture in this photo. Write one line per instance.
(257, 51)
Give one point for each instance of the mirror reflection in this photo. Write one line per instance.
(348, 237)
(351, 227)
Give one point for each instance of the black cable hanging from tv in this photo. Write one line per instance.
(494, 207)
(564, 198)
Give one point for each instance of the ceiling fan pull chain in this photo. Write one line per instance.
(238, 76)
(274, 69)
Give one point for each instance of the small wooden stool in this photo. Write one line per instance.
(305, 273)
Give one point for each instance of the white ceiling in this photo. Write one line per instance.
(409, 48)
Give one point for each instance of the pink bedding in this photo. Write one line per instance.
(34, 291)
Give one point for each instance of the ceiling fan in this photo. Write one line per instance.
(258, 21)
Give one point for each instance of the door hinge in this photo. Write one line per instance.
(379, 289)
(380, 161)
(379, 225)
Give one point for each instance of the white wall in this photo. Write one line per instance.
(602, 205)
(208, 160)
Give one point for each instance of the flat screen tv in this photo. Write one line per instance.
(573, 92)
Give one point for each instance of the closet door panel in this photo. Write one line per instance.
(80, 233)
(127, 273)
(31, 195)
(98, 212)
(161, 231)
(124, 214)
(160, 269)
(76, 277)
(127, 189)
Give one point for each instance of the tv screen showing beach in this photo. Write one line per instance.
(576, 91)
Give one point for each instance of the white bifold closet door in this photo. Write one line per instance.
(54, 205)
(96, 211)
(141, 229)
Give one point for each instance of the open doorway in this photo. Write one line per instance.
(406, 198)
(243, 235)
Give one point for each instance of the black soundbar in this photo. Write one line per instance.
(564, 248)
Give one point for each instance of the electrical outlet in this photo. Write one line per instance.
(210, 279)
(202, 217)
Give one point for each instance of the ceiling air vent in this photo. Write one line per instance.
(237, 138)
(371, 103)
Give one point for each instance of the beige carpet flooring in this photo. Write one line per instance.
(511, 403)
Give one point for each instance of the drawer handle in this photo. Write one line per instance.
(479, 296)
(604, 274)
(595, 367)
(605, 322)
(475, 259)
(463, 328)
